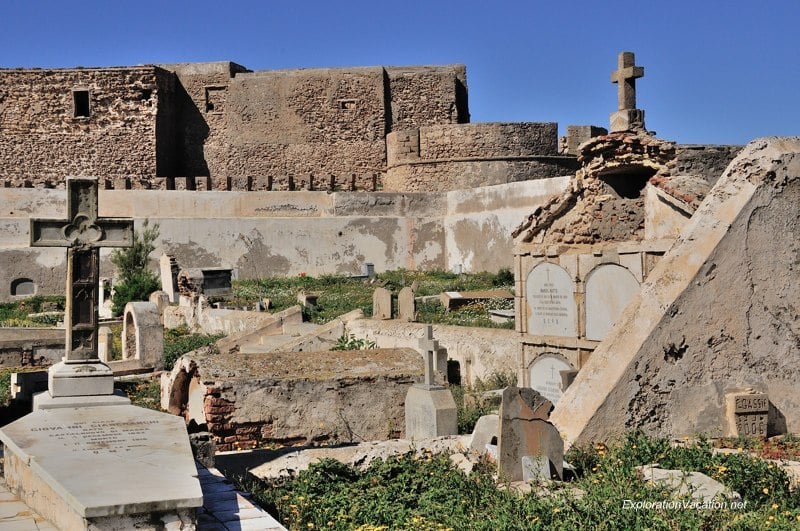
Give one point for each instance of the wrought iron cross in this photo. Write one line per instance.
(83, 233)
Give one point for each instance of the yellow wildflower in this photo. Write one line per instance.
(765, 490)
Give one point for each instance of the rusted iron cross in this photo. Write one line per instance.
(83, 233)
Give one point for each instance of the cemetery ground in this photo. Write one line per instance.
(425, 491)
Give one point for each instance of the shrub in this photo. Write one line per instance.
(179, 341)
(136, 282)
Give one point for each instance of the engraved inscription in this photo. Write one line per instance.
(550, 304)
(101, 436)
(751, 414)
(550, 297)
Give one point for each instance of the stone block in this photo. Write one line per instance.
(525, 431)
(382, 304)
(486, 431)
(406, 305)
(430, 412)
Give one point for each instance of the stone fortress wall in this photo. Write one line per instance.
(220, 126)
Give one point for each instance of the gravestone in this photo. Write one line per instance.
(748, 414)
(547, 378)
(406, 305)
(430, 408)
(551, 301)
(169, 276)
(628, 117)
(66, 458)
(609, 289)
(526, 431)
(104, 338)
(208, 281)
(382, 304)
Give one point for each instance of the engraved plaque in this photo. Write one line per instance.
(751, 414)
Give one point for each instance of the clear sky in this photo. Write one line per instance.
(716, 71)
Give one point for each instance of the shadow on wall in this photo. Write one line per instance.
(192, 135)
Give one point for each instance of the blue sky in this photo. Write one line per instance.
(720, 72)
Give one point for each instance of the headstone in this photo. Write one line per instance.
(546, 376)
(406, 305)
(430, 408)
(551, 301)
(161, 300)
(609, 289)
(169, 276)
(535, 468)
(628, 117)
(382, 304)
(748, 414)
(65, 459)
(368, 270)
(104, 339)
(525, 431)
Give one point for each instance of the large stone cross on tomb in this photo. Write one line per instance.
(83, 233)
(627, 117)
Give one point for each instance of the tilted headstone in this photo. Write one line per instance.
(169, 276)
(525, 431)
(430, 408)
(382, 304)
(406, 305)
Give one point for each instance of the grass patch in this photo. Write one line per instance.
(179, 341)
(471, 405)
(143, 393)
(405, 492)
(36, 311)
(340, 294)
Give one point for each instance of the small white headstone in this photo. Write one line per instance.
(546, 376)
(551, 300)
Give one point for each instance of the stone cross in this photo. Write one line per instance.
(82, 233)
(628, 117)
(429, 348)
(625, 76)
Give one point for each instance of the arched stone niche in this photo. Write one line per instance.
(22, 287)
(550, 296)
(609, 289)
(143, 335)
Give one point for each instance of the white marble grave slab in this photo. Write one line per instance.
(609, 288)
(105, 460)
(545, 373)
(551, 302)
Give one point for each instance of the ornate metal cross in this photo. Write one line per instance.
(83, 233)
(626, 75)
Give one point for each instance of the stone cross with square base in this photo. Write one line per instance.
(429, 348)
(83, 233)
(628, 117)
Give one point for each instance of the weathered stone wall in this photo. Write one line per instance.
(453, 157)
(706, 161)
(31, 347)
(42, 140)
(286, 233)
(426, 95)
(295, 397)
